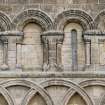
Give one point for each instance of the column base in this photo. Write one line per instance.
(4, 67)
(18, 67)
(52, 67)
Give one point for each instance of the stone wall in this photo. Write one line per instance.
(52, 52)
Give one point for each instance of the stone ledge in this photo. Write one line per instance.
(80, 74)
(94, 33)
(11, 33)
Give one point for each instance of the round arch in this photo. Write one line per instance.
(32, 15)
(92, 82)
(34, 88)
(77, 16)
(86, 83)
(72, 86)
(5, 22)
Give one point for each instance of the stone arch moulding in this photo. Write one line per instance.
(32, 15)
(72, 87)
(7, 96)
(98, 17)
(77, 16)
(86, 83)
(92, 82)
(5, 22)
(34, 88)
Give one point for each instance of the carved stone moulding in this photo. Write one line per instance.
(53, 35)
(52, 39)
(94, 32)
(93, 38)
(98, 34)
(8, 34)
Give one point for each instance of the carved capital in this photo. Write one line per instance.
(13, 36)
(3, 39)
(52, 37)
(52, 67)
(94, 35)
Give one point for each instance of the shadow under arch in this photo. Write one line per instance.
(68, 95)
(73, 15)
(33, 89)
(32, 15)
(30, 95)
(5, 22)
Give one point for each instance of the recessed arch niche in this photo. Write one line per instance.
(73, 42)
(31, 49)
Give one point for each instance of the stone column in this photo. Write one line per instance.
(94, 55)
(88, 52)
(52, 38)
(4, 66)
(13, 37)
(93, 36)
(94, 51)
(5, 50)
(101, 51)
(45, 52)
(12, 52)
(19, 56)
(59, 60)
(52, 45)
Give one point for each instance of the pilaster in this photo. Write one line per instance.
(93, 39)
(52, 41)
(10, 38)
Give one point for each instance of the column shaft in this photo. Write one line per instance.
(94, 52)
(52, 53)
(88, 52)
(12, 53)
(50, 39)
(59, 55)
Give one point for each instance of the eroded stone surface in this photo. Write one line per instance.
(42, 62)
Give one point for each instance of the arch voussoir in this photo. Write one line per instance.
(70, 92)
(38, 16)
(34, 88)
(78, 16)
(5, 22)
